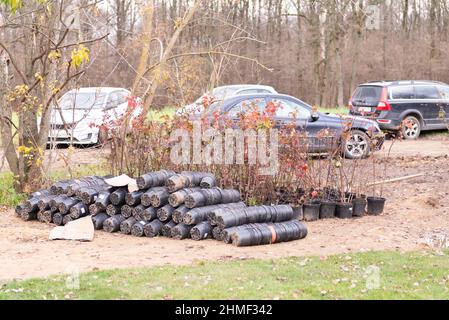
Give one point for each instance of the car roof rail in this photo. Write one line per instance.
(412, 82)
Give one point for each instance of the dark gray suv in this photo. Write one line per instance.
(409, 106)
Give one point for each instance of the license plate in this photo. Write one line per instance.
(364, 109)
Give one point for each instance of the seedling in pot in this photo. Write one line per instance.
(311, 208)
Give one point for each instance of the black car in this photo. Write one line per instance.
(407, 106)
(364, 133)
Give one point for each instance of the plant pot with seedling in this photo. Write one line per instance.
(376, 202)
(375, 205)
(311, 208)
(327, 209)
(359, 206)
(343, 210)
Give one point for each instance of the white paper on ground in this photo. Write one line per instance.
(123, 180)
(81, 229)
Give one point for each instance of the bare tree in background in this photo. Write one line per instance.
(43, 60)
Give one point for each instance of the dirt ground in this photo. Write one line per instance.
(415, 210)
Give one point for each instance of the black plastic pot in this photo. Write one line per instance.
(112, 210)
(153, 229)
(266, 233)
(99, 219)
(79, 210)
(145, 199)
(375, 205)
(177, 182)
(148, 214)
(201, 231)
(126, 211)
(311, 211)
(125, 226)
(166, 229)
(117, 197)
(327, 209)
(343, 210)
(165, 213)
(297, 209)
(112, 224)
(154, 179)
(67, 218)
(178, 212)
(180, 231)
(208, 182)
(177, 198)
(138, 228)
(58, 219)
(358, 207)
(133, 198)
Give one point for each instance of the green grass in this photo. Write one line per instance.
(8, 196)
(161, 113)
(412, 275)
(334, 110)
(79, 171)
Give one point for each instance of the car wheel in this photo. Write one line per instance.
(411, 128)
(357, 146)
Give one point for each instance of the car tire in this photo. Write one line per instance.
(411, 128)
(357, 146)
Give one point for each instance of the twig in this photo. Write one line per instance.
(396, 179)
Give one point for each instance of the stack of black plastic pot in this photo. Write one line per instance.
(180, 206)
(65, 200)
(256, 225)
(166, 204)
(331, 204)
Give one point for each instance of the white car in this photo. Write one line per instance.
(222, 93)
(78, 114)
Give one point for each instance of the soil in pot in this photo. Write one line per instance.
(327, 209)
(311, 211)
(375, 205)
(343, 210)
(358, 207)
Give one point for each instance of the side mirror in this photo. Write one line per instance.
(314, 116)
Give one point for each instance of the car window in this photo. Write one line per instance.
(81, 100)
(367, 94)
(402, 92)
(222, 93)
(290, 109)
(247, 105)
(253, 91)
(115, 99)
(444, 92)
(426, 92)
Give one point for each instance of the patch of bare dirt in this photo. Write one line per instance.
(414, 209)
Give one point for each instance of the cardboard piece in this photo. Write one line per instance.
(122, 181)
(81, 229)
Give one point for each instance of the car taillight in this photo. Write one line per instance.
(383, 105)
(350, 100)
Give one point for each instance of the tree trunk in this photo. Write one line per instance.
(359, 16)
(149, 96)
